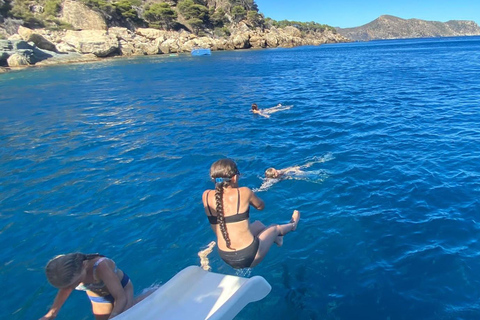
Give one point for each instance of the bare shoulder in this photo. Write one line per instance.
(248, 194)
(105, 265)
(245, 190)
(205, 194)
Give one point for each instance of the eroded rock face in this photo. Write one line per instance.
(31, 36)
(82, 17)
(151, 33)
(241, 41)
(98, 42)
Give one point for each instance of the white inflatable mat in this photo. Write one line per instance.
(194, 294)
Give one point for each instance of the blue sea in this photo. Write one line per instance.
(113, 157)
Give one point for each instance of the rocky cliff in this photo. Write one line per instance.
(390, 27)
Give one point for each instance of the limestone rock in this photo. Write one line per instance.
(64, 47)
(14, 37)
(169, 46)
(98, 42)
(257, 41)
(271, 39)
(122, 33)
(292, 31)
(68, 58)
(24, 32)
(82, 17)
(146, 48)
(151, 33)
(241, 41)
(31, 36)
(3, 70)
(202, 42)
(19, 59)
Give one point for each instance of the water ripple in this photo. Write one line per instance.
(113, 158)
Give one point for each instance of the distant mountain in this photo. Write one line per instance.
(390, 27)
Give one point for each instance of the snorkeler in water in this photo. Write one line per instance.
(265, 112)
(273, 175)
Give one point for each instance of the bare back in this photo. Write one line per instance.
(236, 201)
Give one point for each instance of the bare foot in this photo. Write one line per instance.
(295, 219)
(279, 241)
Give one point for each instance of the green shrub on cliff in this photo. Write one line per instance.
(248, 5)
(160, 15)
(239, 13)
(197, 15)
(52, 8)
(307, 27)
(218, 18)
(5, 7)
(21, 9)
(222, 32)
(125, 8)
(100, 4)
(190, 10)
(196, 24)
(255, 19)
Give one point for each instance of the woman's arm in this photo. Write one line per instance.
(259, 112)
(105, 272)
(60, 299)
(204, 200)
(255, 201)
(294, 169)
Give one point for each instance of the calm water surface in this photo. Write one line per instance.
(113, 157)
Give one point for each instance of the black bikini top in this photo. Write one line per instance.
(230, 219)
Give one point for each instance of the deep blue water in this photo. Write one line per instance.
(113, 157)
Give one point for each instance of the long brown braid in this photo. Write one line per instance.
(222, 171)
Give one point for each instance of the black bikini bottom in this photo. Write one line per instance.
(242, 258)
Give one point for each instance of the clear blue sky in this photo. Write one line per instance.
(354, 13)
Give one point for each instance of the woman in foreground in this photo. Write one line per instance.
(109, 289)
(241, 244)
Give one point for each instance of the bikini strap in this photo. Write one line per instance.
(238, 201)
(95, 265)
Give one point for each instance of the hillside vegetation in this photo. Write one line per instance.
(202, 17)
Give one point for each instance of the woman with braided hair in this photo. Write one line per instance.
(109, 289)
(241, 244)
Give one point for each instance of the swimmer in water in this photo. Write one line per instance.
(273, 175)
(265, 112)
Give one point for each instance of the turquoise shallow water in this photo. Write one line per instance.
(113, 157)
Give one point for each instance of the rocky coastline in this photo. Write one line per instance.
(41, 47)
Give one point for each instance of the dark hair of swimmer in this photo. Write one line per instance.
(225, 169)
(62, 269)
(254, 107)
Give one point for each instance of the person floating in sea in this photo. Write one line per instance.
(109, 289)
(273, 175)
(241, 244)
(266, 112)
